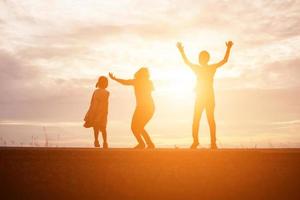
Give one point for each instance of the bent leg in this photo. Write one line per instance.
(136, 129)
(147, 115)
(148, 140)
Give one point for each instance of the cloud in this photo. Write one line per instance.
(15, 76)
(292, 122)
(250, 22)
(13, 68)
(272, 75)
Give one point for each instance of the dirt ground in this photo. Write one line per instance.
(83, 173)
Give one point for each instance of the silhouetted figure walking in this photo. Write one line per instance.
(96, 116)
(205, 98)
(144, 110)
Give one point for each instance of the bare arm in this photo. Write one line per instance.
(185, 59)
(225, 59)
(122, 81)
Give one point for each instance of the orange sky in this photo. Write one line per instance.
(52, 53)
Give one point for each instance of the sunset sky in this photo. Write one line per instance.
(52, 52)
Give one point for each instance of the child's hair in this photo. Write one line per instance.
(102, 82)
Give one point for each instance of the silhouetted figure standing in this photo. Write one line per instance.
(205, 98)
(144, 110)
(96, 116)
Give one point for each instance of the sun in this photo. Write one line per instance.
(177, 84)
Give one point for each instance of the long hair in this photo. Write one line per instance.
(143, 75)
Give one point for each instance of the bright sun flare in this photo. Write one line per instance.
(178, 84)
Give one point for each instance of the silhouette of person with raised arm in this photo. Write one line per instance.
(205, 98)
(96, 116)
(144, 110)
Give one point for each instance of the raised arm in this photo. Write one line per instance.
(122, 81)
(185, 59)
(225, 59)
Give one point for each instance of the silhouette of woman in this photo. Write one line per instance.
(144, 110)
(205, 98)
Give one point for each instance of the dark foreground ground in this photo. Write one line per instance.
(73, 173)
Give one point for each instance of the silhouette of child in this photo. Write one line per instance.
(96, 116)
(205, 98)
(144, 110)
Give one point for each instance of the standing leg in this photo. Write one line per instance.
(212, 125)
(147, 115)
(104, 137)
(196, 120)
(96, 134)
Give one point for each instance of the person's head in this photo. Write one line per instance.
(102, 82)
(143, 77)
(203, 57)
(142, 74)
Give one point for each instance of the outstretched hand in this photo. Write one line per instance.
(179, 46)
(229, 44)
(112, 76)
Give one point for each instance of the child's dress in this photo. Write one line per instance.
(97, 114)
